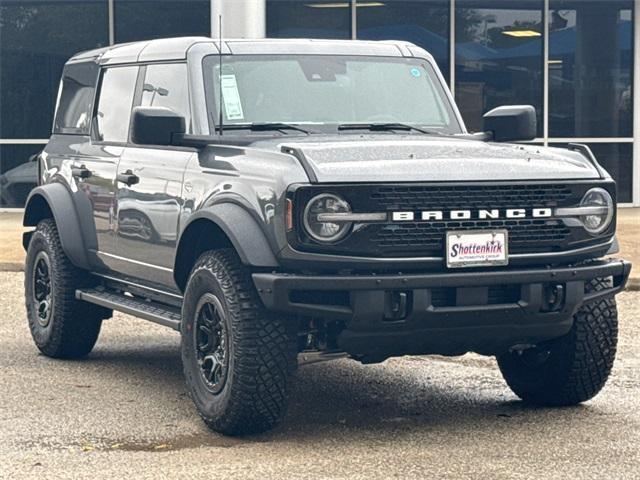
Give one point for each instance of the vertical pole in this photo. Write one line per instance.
(636, 104)
(354, 20)
(212, 19)
(452, 47)
(545, 73)
(112, 32)
(242, 18)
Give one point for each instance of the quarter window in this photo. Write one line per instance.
(76, 99)
(114, 107)
(167, 86)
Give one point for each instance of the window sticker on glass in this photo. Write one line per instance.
(231, 98)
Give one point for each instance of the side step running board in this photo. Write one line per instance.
(155, 312)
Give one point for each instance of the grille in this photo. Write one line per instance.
(524, 235)
(427, 238)
(461, 197)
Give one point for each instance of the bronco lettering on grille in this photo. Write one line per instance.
(482, 214)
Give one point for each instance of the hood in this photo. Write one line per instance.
(379, 158)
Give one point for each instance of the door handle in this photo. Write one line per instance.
(128, 178)
(80, 172)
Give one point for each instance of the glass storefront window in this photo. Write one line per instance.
(17, 175)
(617, 159)
(499, 52)
(36, 39)
(308, 19)
(149, 19)
(424, 23)
(590, 68)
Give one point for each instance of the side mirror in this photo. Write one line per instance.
(511, 123)
(156, 125)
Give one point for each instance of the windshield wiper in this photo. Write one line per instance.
(386, 126)
(265, 127)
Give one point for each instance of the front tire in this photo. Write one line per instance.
(61, 326)
(570, 369)
(238, 359)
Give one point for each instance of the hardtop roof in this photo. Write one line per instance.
(171, 49)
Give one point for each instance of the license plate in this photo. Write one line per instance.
(477, 248)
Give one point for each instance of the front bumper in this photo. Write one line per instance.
(447, 313)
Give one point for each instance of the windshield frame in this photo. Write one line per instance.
(455, 127)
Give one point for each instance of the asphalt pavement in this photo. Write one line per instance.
(124, 413)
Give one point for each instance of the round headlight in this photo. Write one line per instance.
(322, 230)
(602, 204)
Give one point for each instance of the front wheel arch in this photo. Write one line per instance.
(222, 226)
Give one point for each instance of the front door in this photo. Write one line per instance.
(149, 202)
(149, 184)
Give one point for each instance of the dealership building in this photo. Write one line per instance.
(576, 61)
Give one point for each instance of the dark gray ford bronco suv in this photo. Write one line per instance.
(278, 201)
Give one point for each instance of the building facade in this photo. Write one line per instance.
(575, 61)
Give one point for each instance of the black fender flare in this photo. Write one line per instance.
(56, 198)
(246, 236)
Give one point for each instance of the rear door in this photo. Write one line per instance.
(149, 210)
(95, 164)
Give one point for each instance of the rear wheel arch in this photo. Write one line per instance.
(36, 209)
(55, 201)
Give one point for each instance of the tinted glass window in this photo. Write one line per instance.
(590, 68)
(76, 99)
(114, 106)
(166, 86)
(312, 19)
(498, 57)
(148, 19)
(36, 39)
(425, 23)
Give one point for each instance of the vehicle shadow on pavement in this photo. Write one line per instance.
(343, 397)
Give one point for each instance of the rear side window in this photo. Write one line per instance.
(76, 99)
(167, 86)
(113, 114)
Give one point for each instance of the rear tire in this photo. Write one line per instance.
(61, 326)
(570, 369)
(238, 358)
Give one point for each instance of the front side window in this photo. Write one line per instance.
(113, 114)
(328, 90)
(167, 86)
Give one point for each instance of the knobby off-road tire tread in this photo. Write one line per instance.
(265, 351)
(74, 325)
(585, 356)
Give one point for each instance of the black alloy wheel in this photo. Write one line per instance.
(211, 342)
(42, 288)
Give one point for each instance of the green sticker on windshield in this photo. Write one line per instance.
(416, 72)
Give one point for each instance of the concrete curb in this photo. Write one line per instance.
(633, 285)
(11, 267)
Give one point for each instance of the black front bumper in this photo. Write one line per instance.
(446, 313)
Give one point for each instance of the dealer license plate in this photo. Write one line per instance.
(477, 248)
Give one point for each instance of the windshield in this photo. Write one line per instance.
(327, 91)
